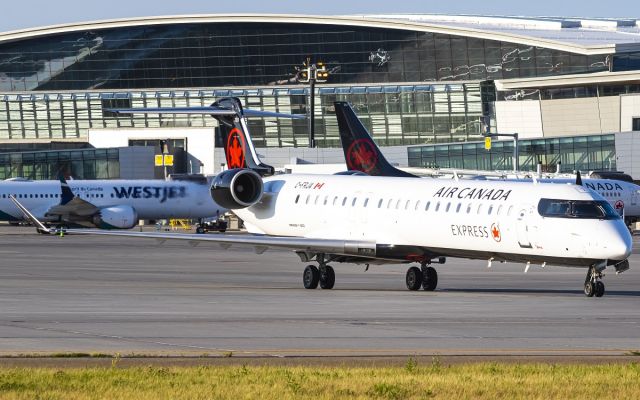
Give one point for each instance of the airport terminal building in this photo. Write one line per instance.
(436, 83)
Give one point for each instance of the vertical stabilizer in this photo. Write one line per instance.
(238, 146)
(360, 152)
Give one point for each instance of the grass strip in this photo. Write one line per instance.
(413, 381)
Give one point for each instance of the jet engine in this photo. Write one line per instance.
(237, 188)
(116, 217)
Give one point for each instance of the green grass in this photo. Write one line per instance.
(413, 381)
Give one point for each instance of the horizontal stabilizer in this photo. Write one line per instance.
(210, 110)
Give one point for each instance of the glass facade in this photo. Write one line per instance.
(259, 54)
(569, 92)
(79, 164)
(395, 114)
(574, 153)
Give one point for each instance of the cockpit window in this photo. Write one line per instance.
(585, 209)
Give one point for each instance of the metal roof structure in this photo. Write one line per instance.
(581, 36)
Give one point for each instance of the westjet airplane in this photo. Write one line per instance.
(107, 204)
(357, 218)
(362, 154)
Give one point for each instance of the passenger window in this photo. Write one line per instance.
(499, 210)
(509, 211)
(406, 206)
(469, 208)
(353, 203)
(490, 210)
(335, 200)
(344, 201)
(417, 205)
(437, 206)
(398, 204)
(448, 206)
(366, 201)
(458, 207)
(308, 198)
(316, 200)
(297, 198)
(380, 203)
(479, 208)
(426, 208)
(389, 203)
(326, 198)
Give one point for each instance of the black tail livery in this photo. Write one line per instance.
(238, 148)
(360, 152)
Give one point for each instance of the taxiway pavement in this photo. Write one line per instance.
(133, 296)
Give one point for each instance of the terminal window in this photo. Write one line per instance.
(635, 124)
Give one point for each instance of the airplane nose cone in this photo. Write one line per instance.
(622, 247)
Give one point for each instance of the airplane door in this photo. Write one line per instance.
(522, 227)
(635, 197)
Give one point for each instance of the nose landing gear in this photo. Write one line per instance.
(593, 285)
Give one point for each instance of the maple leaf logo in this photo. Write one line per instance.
(495, 233)
(235, 149)
(362, 156)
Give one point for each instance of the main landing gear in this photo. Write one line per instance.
(425, 277)
(593, 285)
(323, 275)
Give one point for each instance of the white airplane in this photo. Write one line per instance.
(357, 218)
(107, 204)
(362, 154)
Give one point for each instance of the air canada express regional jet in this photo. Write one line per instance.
(106, 204)
(356, 218)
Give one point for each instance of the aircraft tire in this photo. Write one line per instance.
(430, 279)
(310, 277)
(599, 292)
(414, 278)
(327, 277)
(200, 230)
(589, 289)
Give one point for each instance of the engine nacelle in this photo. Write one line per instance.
(237, 188)
(116, 217)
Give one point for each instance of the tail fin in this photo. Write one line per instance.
(238, 146)
(360, 152)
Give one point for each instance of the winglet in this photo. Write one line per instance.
(67, 194)
(39, 225)
(578, 178)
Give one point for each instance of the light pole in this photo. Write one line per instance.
(516, 159)
(311, 73)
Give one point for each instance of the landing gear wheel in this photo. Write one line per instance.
(311, 277)
(327, 277)
(589, 289)
(414, 278)
(200, 230)
(430, 279)
(599, 292)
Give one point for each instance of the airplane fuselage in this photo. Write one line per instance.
(151, 199)
(410, 219)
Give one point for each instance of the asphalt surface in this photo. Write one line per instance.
(135, 296)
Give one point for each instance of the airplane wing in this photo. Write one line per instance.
(259, 243)
(76, 207)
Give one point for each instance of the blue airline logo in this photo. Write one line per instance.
(150, 192)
